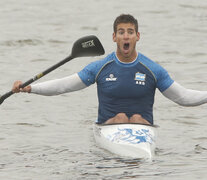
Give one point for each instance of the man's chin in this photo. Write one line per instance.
(127, 54)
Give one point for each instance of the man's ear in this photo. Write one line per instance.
(114, 37)
(138, 36)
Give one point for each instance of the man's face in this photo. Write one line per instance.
(126, 38)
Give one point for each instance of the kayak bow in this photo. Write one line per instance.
(130, 140)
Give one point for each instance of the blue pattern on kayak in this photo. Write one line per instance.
(132, 137)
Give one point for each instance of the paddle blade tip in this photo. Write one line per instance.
(3, 97)
(1, 100)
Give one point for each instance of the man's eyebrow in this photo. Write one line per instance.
(120, 29)
(128, 29)
(131, 29)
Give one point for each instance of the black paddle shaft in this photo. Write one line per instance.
(8, 94)
(46, 71)
(83, 47)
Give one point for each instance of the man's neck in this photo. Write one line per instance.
(127, 59)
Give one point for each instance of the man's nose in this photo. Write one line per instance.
(126, 35)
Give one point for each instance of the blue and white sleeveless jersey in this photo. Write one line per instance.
(125, 87)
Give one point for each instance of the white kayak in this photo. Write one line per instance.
(129, 140)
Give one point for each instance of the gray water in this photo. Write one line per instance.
(50, 138)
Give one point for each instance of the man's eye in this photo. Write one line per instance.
(130, 32)
(121, 32)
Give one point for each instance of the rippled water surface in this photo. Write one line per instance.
(51, 137)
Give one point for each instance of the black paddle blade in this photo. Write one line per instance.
(87, 46)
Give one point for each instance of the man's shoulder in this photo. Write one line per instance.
(95, 66)
(160, 74)
(150, 64)
(101, 62)
(147, 61)
(90, 72)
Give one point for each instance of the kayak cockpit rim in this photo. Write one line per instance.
(102, 124)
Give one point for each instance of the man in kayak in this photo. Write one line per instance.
(126, 81)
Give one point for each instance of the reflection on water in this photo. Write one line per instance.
(25, 42)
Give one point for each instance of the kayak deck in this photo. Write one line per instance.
(129, 140)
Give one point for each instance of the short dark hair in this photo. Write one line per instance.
(125, 18)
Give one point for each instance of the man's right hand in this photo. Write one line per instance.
(17, 89)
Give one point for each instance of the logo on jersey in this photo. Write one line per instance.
(140, 78)
(111, 78)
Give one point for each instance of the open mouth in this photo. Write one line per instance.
(126, 46)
